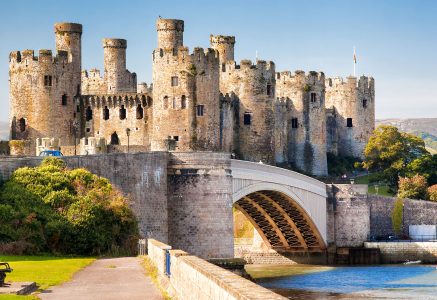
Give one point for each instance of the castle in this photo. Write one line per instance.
(198, 101)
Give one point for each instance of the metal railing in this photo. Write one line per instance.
(142, 247)
(411, 239)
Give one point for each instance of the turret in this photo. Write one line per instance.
(68, 38)
(114, 52)
(170, 33)
(224, 45)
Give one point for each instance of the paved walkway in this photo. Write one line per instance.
(107, 279)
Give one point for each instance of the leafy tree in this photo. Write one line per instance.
(412, 188)
(432, 192)
(390, 152)
(53, 209)
(425, 165)
(397, 216)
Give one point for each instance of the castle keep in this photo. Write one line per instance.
(199, 100)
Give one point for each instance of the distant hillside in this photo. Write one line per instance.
(425, 128)
(4, 131)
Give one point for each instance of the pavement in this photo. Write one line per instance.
(107, 279)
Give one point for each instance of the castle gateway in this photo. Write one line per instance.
(199, 100)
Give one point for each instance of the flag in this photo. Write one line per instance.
(355, 57)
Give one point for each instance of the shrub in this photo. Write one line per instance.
(397, 216)
(412, 188)
(432, 192)
(54, 209)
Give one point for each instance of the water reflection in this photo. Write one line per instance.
(375, 282)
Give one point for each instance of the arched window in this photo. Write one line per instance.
(64, 100)
(114, 139)
(122, 113)
(106, 113)
(89, 113)
(183, 102)
(165, 102)
(140, 112)
(22, 124)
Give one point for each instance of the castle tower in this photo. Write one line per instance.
(186, 108)
(69, 38)
(354, 105)
(42, 89)
(224, 45)
(117, 77)
(170, 33)
(254, 86)
(306, 119)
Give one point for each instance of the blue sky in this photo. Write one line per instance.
(396, 40)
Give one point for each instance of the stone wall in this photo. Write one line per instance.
(142, 177)
(156, 252)
(194, 278)
(399, 252)
(200, 204)
(416, 212)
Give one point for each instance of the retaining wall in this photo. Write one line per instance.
(194, 278)
(398, 252)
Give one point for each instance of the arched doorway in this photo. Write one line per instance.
(114, 139)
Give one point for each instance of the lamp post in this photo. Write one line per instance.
(128, 134)
(75, 128)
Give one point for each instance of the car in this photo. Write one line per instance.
(51, 153)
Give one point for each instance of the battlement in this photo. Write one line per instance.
(311, 78)
(363, 83)
(68, 27)
(114, 43)
(221, 39)
(246, 64)
(169, 25)
(115, 100)
(182, 54)
(44, 56)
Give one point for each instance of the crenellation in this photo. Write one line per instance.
(198, 100)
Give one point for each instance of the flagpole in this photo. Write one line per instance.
(355, 61)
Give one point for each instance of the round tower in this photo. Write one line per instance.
(170, 33)
(68, 38)
(114, 52)
(224, 45)
(306, 119)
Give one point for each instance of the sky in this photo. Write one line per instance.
(395, 40)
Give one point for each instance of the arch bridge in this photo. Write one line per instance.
(288, 209)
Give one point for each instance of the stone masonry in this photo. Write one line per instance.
(199, 100)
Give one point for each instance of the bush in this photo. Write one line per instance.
(397, 216)
(432, 192)
(53, 209)
(412, 188)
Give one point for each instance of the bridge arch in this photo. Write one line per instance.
(287, 209)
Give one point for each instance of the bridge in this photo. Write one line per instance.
(288, 209)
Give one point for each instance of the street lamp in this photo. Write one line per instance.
(128, 134)
(75, 128)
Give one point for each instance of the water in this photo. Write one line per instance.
(367, 282)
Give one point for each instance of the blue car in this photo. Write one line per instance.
(51, 153)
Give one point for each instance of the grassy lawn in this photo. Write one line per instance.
(371, 181)
(46, 271)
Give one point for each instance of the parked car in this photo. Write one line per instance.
(51, 153)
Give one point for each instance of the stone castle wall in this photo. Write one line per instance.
(353, 100)
(305, 114)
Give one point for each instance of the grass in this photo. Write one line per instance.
(371, 180)
(152, 272)
(46, 271)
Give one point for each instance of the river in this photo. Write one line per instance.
(357, 282)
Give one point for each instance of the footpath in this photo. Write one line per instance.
(107, 279)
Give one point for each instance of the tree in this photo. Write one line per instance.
(390, 152)
(412, 188)
(397, 216)
(425, 165)
(432, 192)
